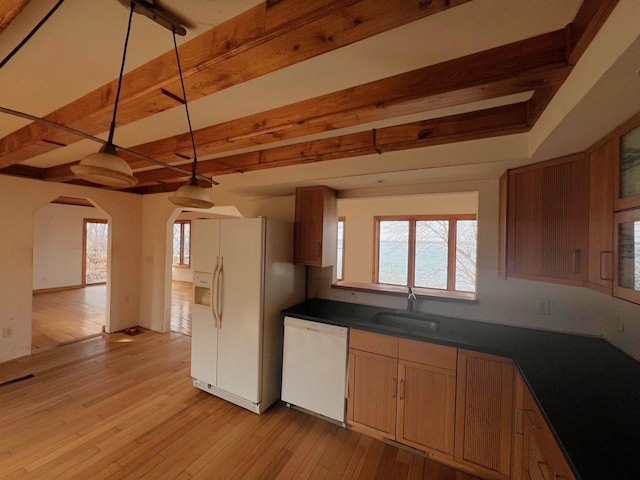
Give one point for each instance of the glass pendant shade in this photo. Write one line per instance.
(192, 195)
(105, 168)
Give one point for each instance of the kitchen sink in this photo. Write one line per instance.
(414, 323)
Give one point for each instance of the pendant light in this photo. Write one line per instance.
(189, 195)
(105, 167)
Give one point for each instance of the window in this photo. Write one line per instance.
(340, 255)
(431, 252)
(182, 243)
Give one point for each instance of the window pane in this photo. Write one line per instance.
(393, 253)
(629, 256)
(466, 247)
(187, 244)
(630, 163)
(176, 243)
(340, 266)
(432, 253)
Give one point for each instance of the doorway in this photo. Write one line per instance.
(70, 272)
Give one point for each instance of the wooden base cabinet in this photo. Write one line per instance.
(403, 390)
(373, 383)
(542, 458)
(484, 413)
(426, 408)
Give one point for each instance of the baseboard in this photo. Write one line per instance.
(57, 289)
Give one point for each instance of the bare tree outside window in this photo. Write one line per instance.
(432, 252)
(96, 245)
(182, 243)
(435, 253)
(393, 256)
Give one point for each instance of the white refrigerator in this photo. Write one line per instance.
(243, 277)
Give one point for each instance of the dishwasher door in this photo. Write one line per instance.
(314, 367)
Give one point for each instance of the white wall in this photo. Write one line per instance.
(359, 223)
(57, 244)
(19, 200)
(512, 301)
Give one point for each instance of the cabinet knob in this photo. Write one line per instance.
(576, 261)
(542, 470)
(533, 425)
(609, 275)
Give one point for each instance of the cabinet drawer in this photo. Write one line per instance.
(428, 354)
(374, 343)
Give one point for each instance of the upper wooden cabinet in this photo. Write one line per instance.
(316, 226)
(484, 413)
(546, 235)
(602, 165)
(627, 172)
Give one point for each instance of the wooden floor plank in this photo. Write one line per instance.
(107, 409)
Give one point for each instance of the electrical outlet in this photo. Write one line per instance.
(7, 332)
(542, 306)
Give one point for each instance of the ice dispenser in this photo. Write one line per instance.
(202, 283)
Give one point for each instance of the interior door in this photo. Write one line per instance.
(241, 301)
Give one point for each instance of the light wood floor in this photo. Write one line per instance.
(71, 315)
(181, 307)
(67, 316)
(118, 407)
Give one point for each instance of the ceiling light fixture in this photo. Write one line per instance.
(192, 194)
(105, 167)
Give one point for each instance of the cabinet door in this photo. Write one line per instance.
(548, 221)
(484, 413)
(601, 194)
(542, 457)
(426, 408)
(316, 226)
(373, 384)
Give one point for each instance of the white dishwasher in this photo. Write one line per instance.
(314, 367)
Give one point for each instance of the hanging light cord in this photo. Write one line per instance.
(30, 34)
(112, 128)
(186, 107)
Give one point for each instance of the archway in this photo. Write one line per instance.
(71, 271)
(179, 283)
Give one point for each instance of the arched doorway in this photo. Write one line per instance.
(71, 248)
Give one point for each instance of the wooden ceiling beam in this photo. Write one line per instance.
(24, 171)
(531, 64)
(266, 38)
(586, 25)
(9, 10)
(505, 120)
(522, 66)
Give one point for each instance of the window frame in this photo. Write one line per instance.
(340, 273)
(411, 267)
(182, 223)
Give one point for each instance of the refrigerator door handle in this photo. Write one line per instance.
(214, 293)
(219, 292)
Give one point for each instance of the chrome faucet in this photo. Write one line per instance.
(410, 299)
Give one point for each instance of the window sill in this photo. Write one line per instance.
(402, 291)
(177, 265)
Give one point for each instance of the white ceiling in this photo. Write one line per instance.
(80, 49)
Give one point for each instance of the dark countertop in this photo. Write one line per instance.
(588, 389)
